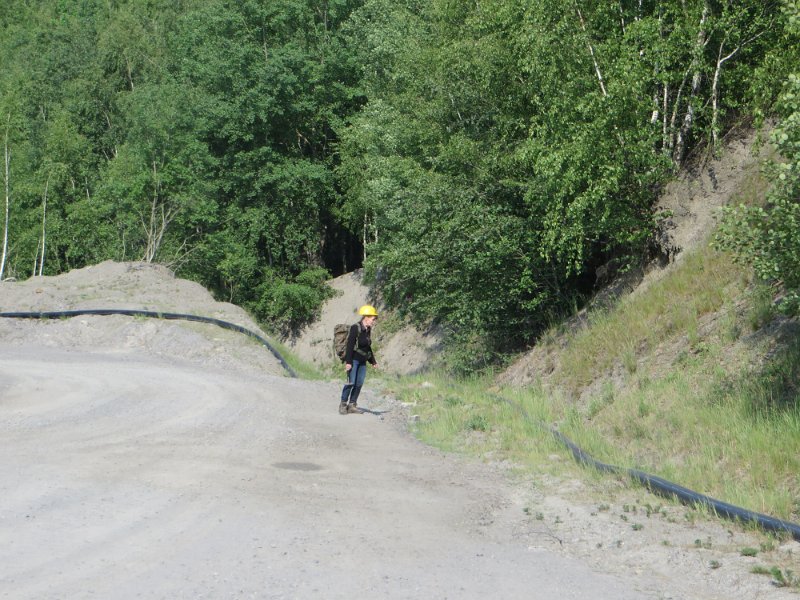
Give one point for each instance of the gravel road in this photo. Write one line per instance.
(130, 476)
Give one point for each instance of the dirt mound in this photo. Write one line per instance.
(399, 347)
(135, 286)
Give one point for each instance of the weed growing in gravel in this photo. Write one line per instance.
(304, 370)
(780, 577)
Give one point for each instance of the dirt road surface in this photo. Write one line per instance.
(135, 477)
(142, 458)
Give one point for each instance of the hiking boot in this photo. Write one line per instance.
(342, 408)
(353, 409)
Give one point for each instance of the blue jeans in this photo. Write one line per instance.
(355, 381)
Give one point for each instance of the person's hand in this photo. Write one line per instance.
(347, 366)
(375, 365)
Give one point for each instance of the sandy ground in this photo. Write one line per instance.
(404, 349)
(160, 459)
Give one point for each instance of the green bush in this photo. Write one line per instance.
(768, 237)
(288, 305)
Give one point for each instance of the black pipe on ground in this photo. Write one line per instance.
(156, 315)
(667, 489)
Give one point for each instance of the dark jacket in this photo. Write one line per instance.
(359, 345)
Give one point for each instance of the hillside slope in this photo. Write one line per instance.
(689, 209)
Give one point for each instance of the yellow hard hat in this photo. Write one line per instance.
(368, 311)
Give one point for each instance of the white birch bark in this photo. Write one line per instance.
(364, 236)
(656, 105)
(697, 78)
(159, 220)
(664, 117)
(44, 227)
(7, 171)
(721, 60)
(591, 52)
(36, 259)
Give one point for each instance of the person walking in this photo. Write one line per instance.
(357, 355)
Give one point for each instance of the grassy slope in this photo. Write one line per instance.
(693, 379)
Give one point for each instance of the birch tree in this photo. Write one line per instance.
(768, 237)
(44, 229)
(7, 189)
(739, 28)
(590, 47)
(696, 71)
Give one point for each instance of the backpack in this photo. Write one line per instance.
(340, 333)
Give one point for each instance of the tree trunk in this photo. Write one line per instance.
(656, 105)
(591, 52)
(7, 154)
(158, 222)
(697, 78)
(364, 236)
(715, 85)
(664, 118)
(36, 259)
(44, 228)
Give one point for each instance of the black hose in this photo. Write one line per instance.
(152, 314)
(668, 489)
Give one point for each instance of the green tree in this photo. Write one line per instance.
(768, 237)
(275, 77)
(198, 134)
(509, 149)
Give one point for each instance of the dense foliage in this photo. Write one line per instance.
(197, 134)
(768, 237)
(509, 149)
(482, 159)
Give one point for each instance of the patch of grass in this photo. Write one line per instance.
(477, 423)
(762, 308)
(760, 570)
(453, 400)
(511, 422)
(705, 544)
(606, 398)
(672, 306)
(780, 577)
(784, 578)
(303, 369)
